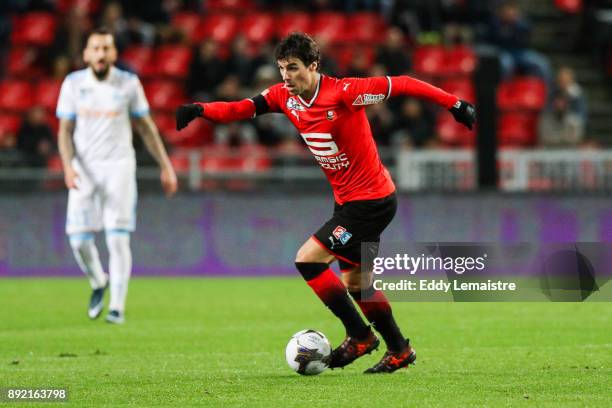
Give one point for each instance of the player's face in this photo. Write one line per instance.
(100, 53)
(299, 79)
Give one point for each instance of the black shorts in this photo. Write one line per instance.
(355, 222)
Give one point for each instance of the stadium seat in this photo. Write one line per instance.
(230, 5)
(188, 23)
(164, 95)
(139, 59)
(15, 95)
(243, 159)
(291, 21)
(197, 134)
(220, 27)
(9, 125)
(517, 129)
(569, 6)
(35, 28)
(180, 160)
(366, 27)
(173, 61)
(91, 6)
(430, 61)
(523, 93)
(47, 92)
(460, 60)
(329, 26)
(258, 27)
(463, 88)
(346, 53)
(22, 62)
(454, 134)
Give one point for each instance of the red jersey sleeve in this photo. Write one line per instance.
(405, 85)
(273, 96)
(357, 93)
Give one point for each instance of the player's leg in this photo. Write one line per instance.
(377, 310)
(120, 269)
(119, 209)
(312, 261)
(82, 219)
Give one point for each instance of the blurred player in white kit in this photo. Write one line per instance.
(95, 143)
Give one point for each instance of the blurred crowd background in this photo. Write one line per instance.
(555, 67)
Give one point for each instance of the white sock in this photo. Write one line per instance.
(86, 254)
(120, 267)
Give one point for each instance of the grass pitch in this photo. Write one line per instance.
(220, 342)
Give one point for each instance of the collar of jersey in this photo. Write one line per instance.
(309, 104)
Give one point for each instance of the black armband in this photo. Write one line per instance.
(261, 105)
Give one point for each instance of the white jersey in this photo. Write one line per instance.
(102, 111)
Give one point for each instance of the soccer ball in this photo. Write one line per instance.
(306, 350)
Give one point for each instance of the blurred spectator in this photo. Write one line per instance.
(393, 55)
(70, 37)
(359, 65)
(510, 31)
(207, 71)
(242, 61)
(61, 67)
(35, 138)
(413, 126)
(273, 130)
(381, 120)
(234, 133)
(564, 121)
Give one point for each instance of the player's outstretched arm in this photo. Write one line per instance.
(66, 149)
(463, 111)
(150, 136)
(220, 112)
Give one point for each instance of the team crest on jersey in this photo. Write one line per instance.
(292, 104)
(368, 99)
(341, 234)
(330, 115)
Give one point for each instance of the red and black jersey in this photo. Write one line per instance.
(335, 127)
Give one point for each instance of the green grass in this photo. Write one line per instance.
(220, 342)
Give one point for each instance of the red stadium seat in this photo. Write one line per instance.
(198, 133)
(47, 92)
(526, 93)
(15, 95)
(22, 62)
(35, 28)
(569, 6)
(452, 133)
(329, 26)
(230, 5)
(164, 95)
(516, 129)
(180, 160)
(460, 87)
(289, 22)
(258, 27)
(460, 60)
(188, 23)
(366, 28)
(345, 54)
(91, 6)
(244, 159)
(9, 125)
(139, 59)
(173, 61)
(220, 27)
(430, 60)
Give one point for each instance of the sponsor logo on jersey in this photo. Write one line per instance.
(368, 99)
(294, 105)
(341, 234)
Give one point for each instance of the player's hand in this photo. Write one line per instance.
(71, 177)
(186, 113)
(168, 180)
(464, 112)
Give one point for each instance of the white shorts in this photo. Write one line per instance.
(106, 197)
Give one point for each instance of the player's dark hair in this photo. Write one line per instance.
(301, 46)
(100, 31)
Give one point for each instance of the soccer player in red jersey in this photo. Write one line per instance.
(330, 116)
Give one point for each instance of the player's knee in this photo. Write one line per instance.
(310, 270)
(81, 242)
(118, 241)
